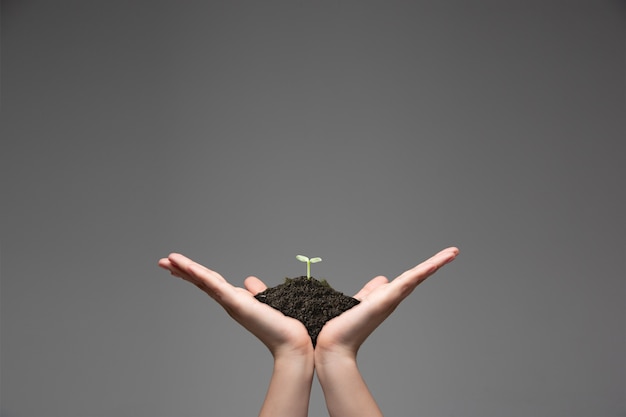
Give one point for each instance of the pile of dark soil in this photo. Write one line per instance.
(311, 301)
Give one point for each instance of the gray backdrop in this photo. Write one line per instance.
(371, 134)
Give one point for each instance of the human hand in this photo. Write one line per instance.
(288, 340)
(284, 336)
(339, 340)
(344, 334)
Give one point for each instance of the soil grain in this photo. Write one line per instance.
(311, 301)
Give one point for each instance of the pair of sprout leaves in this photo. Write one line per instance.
(308, 261)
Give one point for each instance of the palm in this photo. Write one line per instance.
(268, 324)
(350, 329)
(379, 298)
(274, 329)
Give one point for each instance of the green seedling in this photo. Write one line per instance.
(308, 261)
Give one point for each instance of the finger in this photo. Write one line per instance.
(432, 264)
(254, 285)
(207, 280)
(173, 269)
(371, 286)
(186, 264)
(407, 281)
(176, 270)
(164, 263)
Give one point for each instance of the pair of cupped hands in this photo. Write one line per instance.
(285, 336)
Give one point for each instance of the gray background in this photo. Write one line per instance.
(371, 134)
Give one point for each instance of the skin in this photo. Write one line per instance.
(295, 360)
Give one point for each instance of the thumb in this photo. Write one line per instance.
(371, 286)
(254, 285)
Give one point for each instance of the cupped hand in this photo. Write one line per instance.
(379, 298)
(281, 334)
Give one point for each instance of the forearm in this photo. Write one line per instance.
(344, 389)
(290, 387)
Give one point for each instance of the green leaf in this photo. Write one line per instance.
(315, 260)
(302, 258)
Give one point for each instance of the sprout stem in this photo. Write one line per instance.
(308, 261)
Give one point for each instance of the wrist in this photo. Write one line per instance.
(290, 386)
(298, 352)
(334, 357)
(297, 369)
(302, 357)
(344, 389)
